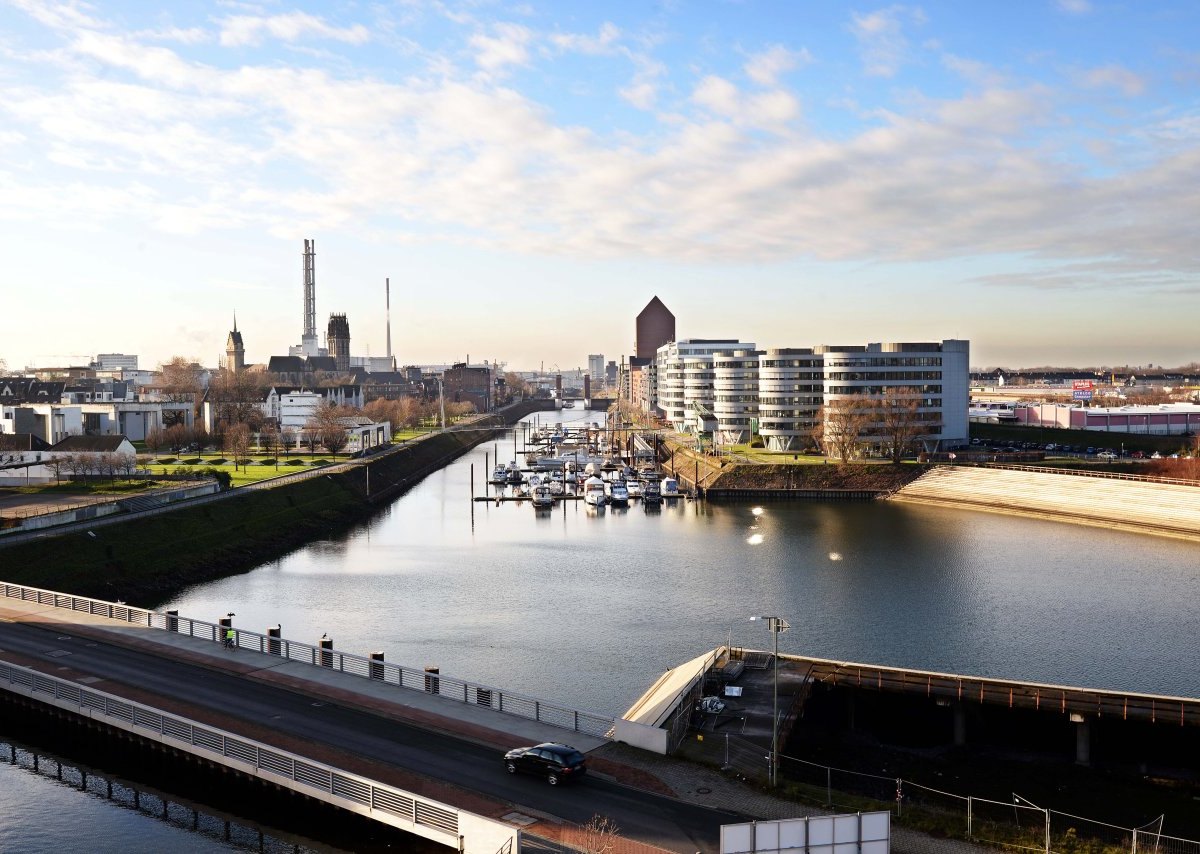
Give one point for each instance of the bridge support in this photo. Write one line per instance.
(960, 725)
(1083, 739)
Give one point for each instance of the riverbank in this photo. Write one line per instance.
(148, 560)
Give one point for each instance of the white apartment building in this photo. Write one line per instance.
(735, 394)
(685, 381)
(719, 385)
(936, 375)
(596, 370)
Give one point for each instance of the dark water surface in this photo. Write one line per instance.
(589, 608)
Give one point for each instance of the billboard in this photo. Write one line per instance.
(1082, 389)
(856, 833)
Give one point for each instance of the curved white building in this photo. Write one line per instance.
(680, 384)
(790, 389)
(698, 394)
(735, 394)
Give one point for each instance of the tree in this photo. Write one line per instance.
(178, 437)
(155, 439)
(326, 426)
(335, 438)
(237, 397)
(269, 438)
(845, 420)
(287, 438)
(897, 421)
(238, 440)
(181, 380)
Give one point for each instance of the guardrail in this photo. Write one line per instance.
(433, 820)
(460, 690)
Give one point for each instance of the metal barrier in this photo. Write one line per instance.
(471, 693)
(1109, 475)
(396, 807)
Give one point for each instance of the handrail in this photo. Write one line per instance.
(452, 688)
(437, 820)
(1112, 475)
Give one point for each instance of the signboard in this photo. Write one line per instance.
(1083, 385)
(858, 833)
(1081, 394)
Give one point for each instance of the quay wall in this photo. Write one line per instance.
(146, 561)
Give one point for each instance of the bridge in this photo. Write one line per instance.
(416, 750)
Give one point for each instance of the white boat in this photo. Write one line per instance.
(499, 475)
(634, 488)
(534, 481)
(593, 491)
(570, 477)
(513, 475)
(541, 496)
(557, 488)
(592, 469)
(669, 487)
(618, 493)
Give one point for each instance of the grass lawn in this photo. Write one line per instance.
(119, 487)
(252, 472)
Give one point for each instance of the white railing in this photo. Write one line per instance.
(460, 690)
(433, 820)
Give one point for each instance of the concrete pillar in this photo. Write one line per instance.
(173, 620)
(325, 644)
(273, 635)
(376, 665)
(960, 725)
(1083, 739)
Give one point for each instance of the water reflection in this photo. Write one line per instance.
(589, 605)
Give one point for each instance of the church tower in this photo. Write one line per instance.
(235, 352)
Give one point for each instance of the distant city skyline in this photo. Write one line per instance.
(529, 175)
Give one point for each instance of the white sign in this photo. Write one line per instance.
(865, 832)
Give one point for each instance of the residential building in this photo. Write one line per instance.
(115, 362)
(735, 394)
(596, 369)
(685, 380)
(470, 383)
(790, 396)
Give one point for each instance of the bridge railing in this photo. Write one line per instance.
(393, 806)
(449, 687)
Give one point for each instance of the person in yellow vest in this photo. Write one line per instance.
(229, 638)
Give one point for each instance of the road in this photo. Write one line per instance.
(640, 815)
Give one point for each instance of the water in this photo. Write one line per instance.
(42, 815)
(589, 608)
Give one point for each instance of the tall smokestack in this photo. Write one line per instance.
(309, 340)
(387, 284)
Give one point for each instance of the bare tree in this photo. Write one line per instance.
(238, 439)
(268, 438)
(56, 463)
(238, 397)
(181, 380)
(127, 465)
(845, 420)
(155, 439)
(287, 438)
(178, 437)
(599, 835)
(897, 421)
(334, 438)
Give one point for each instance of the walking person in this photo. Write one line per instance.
(229, 639)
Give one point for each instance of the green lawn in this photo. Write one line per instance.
(251, 472)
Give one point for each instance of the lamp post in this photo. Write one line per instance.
(775, 625)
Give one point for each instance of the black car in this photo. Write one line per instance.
(558, 763)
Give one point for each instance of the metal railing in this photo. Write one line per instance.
(338, 787)
(1110, 475)
(449, 687)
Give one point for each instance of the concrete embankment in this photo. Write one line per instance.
(146, 561)
(1142, 505)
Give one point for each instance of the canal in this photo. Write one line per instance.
(587, 608)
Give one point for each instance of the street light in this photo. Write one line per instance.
(775, 625)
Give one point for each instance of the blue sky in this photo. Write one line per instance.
(529, 174)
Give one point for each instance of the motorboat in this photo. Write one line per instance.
(593, 492)
(541, 496)
(514, 475)
(556, 487)
(634, 488)
(617, 492)
(534, 481)
(499, 475)
(651, 494)
(669, 487)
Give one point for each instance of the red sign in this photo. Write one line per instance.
(1082, 385)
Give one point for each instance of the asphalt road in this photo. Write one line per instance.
(640, 815)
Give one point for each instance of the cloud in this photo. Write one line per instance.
(601, 43)
(881, 40)
(1074, 7)
(250, 30)
(129, 127)
(764, 68)
(509, 46)
(1113, 77)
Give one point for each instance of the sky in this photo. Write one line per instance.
(529, 174)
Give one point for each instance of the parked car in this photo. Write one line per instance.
(1106, 455)
(1137, 455)
(558, 763)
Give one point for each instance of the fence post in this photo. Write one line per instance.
(969, 817)
(1133, 848)
(899, 797)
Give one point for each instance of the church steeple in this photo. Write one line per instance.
(235, 351)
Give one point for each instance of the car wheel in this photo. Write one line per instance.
(511, 767)
(552, 779)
